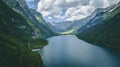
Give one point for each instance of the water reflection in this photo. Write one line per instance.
(69, 51)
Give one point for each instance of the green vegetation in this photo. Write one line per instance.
(44, 28)
(112, 13)
(106, 33)
(37, 43)
(16, 42)
(38, 16)
(34, 18)
(67, 32)
(15, 53)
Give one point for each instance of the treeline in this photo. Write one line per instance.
(15, 36)
(106, 33)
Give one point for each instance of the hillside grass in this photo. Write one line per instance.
(106, 33)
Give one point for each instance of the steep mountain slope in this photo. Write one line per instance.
(106, 33)
(96, 17)
(16, 40)
(79, 25)
(45, 29)
(36, 22)
(62, 27)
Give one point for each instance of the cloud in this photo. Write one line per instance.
(113, 1)
(32, 3)
(29, 0)
(71, 9)
(82, 12)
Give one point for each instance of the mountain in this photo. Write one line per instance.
(96, 17)
(44, 29)
(61, 27)
(34, 18)
(107, 32)
(32, 4)
(78, 26)
(17, 40)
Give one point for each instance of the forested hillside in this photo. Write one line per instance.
(16, 40)
(106, 33)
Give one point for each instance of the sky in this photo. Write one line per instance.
(70, 10)
(32, 4)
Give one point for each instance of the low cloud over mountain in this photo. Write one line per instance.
(70, 9)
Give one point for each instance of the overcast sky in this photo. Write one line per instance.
(56, 10)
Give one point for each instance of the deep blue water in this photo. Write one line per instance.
(69, 51)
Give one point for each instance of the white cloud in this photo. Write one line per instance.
(82, 12)
(45, 13)
(58, 16)
(49, 18)
(113, 1)
(29, 0)
(71, 9)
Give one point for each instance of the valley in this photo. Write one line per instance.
(27, 39)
